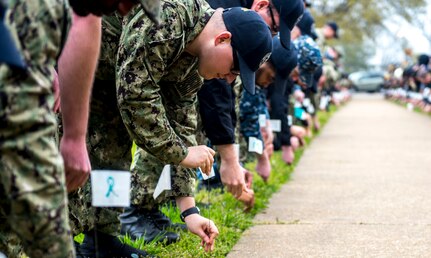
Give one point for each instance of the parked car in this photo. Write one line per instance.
(367, 81)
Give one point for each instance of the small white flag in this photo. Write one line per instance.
(289, 120)
(204, 176)
(310, 109)
(255, 145)
(262, 120)
(306, 103)
(410, 107)
(323, 103)
(164, 182)
(110, 188)
(275, 125)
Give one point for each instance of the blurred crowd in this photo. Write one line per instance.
(410, 83)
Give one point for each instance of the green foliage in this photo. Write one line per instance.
(415, 109)
(364, 18)
(361, 21)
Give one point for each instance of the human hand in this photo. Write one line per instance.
(204, 228)
(269, 148)
(248, 178)
(267, 134)
(287, 154)
(232, 176)
(248, 199)
(199, 156)
(76, 162)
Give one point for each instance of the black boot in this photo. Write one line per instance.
(107, 247)
(138, 223)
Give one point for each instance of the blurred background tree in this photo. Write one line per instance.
(361, 21)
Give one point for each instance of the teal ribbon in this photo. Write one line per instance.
(111, 183)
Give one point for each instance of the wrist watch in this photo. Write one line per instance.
(190, 211)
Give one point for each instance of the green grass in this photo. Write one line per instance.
(226, 211)
(416, 109)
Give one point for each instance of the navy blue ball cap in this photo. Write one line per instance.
(251, 42)
(290, 12)
(284, 60)
(306, 24)
(334, 27)
(9, 54)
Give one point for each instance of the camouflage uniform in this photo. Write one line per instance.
(32, 190)
(309, 61)
(156, 91)
(331, 74)
(108, 143)
(251, 107)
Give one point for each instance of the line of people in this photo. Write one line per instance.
(143, 64)
(411, 85)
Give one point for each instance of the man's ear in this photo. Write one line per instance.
(259, 5)
(223, 37)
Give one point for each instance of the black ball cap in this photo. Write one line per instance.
(251, 42)
(290, 12)
(9, 54)
(306, 24)
(284, 60)
(334, 27)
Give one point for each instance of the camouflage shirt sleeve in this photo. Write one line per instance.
(143, 58)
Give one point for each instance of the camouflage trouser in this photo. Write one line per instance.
(314, 98)
(33, 200)
(109, 147)
(146, 171)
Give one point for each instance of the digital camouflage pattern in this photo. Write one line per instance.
(109, 148)
(152, 64)
(251, 106)
(146, 171)
(157, 84)
(108, 142)
(147, 167)
(309, 61)
(111, 32)
(33, 199)
(331, 73)
(309, 56)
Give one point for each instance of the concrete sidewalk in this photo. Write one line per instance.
(361, 189)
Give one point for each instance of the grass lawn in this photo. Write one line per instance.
(416, 109)
(225, 211)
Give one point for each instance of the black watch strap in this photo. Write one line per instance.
(190, 211)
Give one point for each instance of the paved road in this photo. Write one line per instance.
(362, 189)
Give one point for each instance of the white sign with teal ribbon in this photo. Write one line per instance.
(110, 188)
